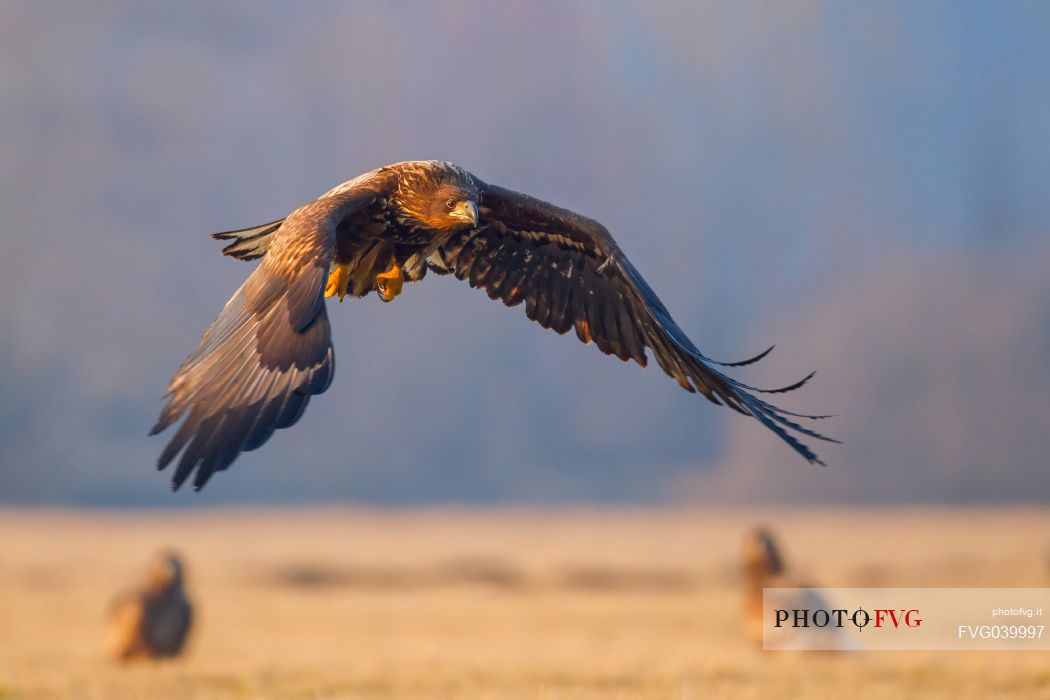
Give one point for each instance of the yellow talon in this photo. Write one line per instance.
(338, 282)
(389, 283)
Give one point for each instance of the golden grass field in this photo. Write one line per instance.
(332, 603)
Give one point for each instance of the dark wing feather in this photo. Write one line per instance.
(571, 274)
(270, 348)
(249, 243)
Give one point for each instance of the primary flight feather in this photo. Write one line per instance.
(270, 348)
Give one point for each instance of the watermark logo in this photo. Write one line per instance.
(845, 619)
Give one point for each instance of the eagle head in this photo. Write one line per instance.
(165, 571)
(439, 196)
(761, 554)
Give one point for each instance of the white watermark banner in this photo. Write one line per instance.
(901, 619)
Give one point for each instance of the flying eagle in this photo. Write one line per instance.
(270, 348)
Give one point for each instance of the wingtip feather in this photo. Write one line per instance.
(744, 363)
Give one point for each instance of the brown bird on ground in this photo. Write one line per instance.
(270, 348)
(763, 568)
(153, 620)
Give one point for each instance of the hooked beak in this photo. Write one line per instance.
(467, 211)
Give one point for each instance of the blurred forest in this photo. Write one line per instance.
(863, 184)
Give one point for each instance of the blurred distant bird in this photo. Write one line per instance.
(270, 348)
(764, 568)
(152, 620)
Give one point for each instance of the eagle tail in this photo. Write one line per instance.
(249, 243)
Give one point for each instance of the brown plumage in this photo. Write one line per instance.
(153, 619)
(763, 568)
(270, 348)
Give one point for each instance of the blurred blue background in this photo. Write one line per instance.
(865, 184)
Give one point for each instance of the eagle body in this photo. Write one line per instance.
(270, 348)
(153, 620)
(766, 574)
(763, 568)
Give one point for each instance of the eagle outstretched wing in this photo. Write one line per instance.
(270, 348)
(571, 274)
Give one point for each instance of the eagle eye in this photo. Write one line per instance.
(449, 203)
